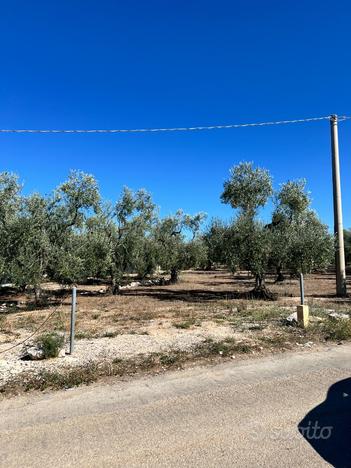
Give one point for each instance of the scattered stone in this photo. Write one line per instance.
(316, 319)
(251, 326)
(155, 282)
(32, 353)
(338, 316)
(35, 352)
(62, 353)
(291, 319)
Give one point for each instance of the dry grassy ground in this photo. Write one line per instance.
(199, 296)
(203, 308)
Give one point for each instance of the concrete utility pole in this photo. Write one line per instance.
(338, 225)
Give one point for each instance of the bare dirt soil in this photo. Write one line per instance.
(205, 314)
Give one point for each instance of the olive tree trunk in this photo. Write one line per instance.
(174, 276)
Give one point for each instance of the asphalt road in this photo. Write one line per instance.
(235, 414)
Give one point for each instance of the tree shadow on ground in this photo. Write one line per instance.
(327, 427)
(12, 304)
(188, 295)
(226, 282)
(331, 296)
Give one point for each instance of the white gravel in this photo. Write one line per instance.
(107, 349)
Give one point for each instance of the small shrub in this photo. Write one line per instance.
(275, 340)
(110, 334)
(267, 313)
(241, 348)
(338, 330)
(184, 325)
(51, 344)
(168, 359)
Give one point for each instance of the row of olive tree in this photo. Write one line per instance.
(295, 240)
(72, 235)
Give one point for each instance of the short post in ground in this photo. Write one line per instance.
(73, 319)
(302, 308)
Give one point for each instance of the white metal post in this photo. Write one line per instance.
(73, 319)
(302, 289)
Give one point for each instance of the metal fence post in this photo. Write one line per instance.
(302, 309)
(302, 289)
(73, 319)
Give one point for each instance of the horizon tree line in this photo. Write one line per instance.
(73, 234)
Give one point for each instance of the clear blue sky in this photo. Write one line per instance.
(114, 64)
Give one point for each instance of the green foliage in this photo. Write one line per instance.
(128, 227)
(51, 344)
(40, 234)
(184, 325)
(215, 243)
(251, 244)
(294, 240)
(338, 330)
(74, 198)
(292, 199)
(301, 242)
(72, 235)
(175, 252)
(347, 241)
(248, 188)
(311, 247)
(31, 242)
(10, 201)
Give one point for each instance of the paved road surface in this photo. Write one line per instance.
(234, 414)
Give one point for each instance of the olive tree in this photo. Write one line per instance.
(250, 248)
(10, 203)
(175, 251)
(247, 190)
(216, 243)
(31, 244)
(126, 225)
(311, 247)
(95, 247)
(68, 211)
(40, 234)
(301, 242)
(291, 202)
(295, 239)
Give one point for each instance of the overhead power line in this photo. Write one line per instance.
(172, 129)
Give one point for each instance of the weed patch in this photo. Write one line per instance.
(338, 330)
(184, 325)
(51, 344)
